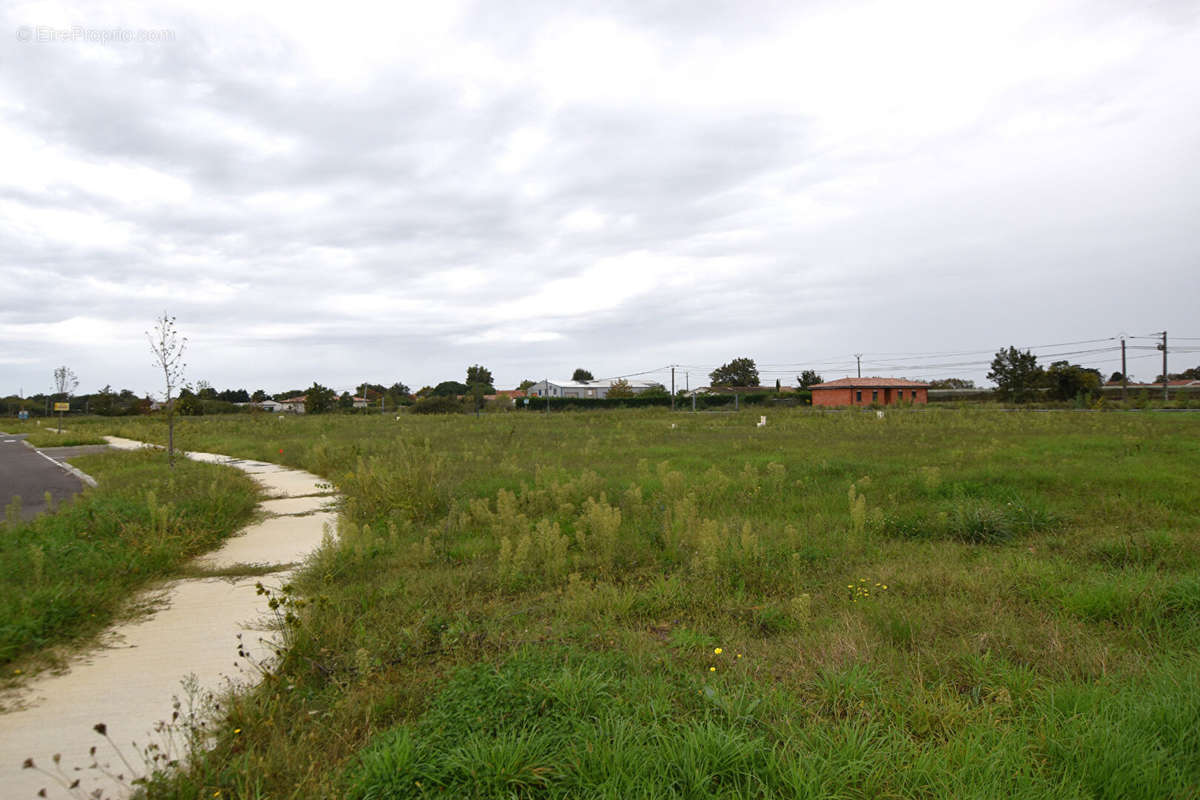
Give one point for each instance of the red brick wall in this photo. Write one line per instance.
(832, 397)
(847, 397)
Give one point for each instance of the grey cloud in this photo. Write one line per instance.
(777, 236)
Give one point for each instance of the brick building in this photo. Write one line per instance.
(869, 391)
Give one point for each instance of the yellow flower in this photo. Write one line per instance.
(712, 669)
(237, 730)
(718, 651)
(739, 655)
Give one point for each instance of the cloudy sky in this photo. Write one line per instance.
(349, 192)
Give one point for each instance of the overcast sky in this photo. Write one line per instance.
(346, 193)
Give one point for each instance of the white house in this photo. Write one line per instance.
(594, 390)
(295, 405)
(270, 406)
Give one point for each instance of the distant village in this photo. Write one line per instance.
(1018, 379)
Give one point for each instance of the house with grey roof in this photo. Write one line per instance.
(583, 390)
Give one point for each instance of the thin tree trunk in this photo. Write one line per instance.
(170, 432)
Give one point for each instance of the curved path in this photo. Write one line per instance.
(130, 683)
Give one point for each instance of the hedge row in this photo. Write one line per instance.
(702, 402)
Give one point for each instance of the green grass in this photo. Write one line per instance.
(67, 575)
(940, 603)
(47, 435)
(50, 438)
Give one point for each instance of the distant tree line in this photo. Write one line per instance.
(1019, 378)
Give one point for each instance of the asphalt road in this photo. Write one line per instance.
(26, 474)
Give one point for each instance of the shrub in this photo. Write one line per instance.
(437, 405)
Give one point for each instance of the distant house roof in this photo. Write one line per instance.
(509, 393)
(1158, 385)
(599, 384)
(300, 399)
(871, 383)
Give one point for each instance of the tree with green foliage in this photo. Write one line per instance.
(620, 388)
(1192, 374)
(1067, 381)
(188, 404)
(582, 376)
(345, 401)
(1016, 374)
(449, 389)
(525, 384)
(739, 372)
(952, 383)
(476, 394)
(104, 401)
(370, 391)
(319, 399)
(808, 378)
(259, 396)
(655, 390)
(479, 375)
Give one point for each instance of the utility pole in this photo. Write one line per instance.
(1124, 377)
(672, 387)
(547, 383)
(1163, 347)
(858, 357)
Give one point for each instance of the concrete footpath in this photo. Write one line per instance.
(129, 684)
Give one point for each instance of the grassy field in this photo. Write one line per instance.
(65, 576)
(938, 603)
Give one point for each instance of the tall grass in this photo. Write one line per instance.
(65, 575)
(934, 604)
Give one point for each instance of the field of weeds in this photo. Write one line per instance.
(937, 603)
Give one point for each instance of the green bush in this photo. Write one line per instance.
(437, 405)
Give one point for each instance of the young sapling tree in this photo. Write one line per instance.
(167, 346)
(65, 384)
